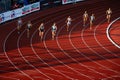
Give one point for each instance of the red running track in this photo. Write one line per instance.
(80, 54)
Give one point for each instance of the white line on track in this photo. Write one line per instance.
(26, 59)
(40, 58)
(35, 54)
(108, 34)
(69, 55)
(95, 30)
(21, 54)
(82, 54)
(96, 53)
(65, 53)
(4, 48)
(55, 57)
(64, 64)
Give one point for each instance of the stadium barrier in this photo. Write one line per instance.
(70, 1)
(9, 15)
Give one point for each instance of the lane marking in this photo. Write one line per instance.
(108, 34)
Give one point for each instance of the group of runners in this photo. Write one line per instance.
(68, 21)
(92, 17)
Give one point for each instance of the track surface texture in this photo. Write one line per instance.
(79, 54)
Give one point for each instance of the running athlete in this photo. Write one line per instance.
(108, 14)
(41, 30)
(85, 18)
(92, 18)
(68, 21)
(54, 29)
(29, 25)
(19, 25)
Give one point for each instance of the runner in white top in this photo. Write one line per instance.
(68, 21)
(54, 29)
(92, 18)
(108, 14)
(85, 18)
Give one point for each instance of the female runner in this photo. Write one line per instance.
(19, 25)
(92, 18)
(108, 14)
(85, 18)
(68, 21)
(29, 25)
(41, 30)
(54, 29)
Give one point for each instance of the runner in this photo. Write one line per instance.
(41, 30)
(68, 21)
(29, 25)
(85, 18)
(92, 18)
(54, 29)
(108, 14)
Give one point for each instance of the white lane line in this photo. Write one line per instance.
(34, 50)
(47, 31)
(108, 34)
(90, 68)
(104, 47)
(61, 61)
(21, 54)
(54, 56)
(26, 59)
(4, 48)
(69, 55)
(83, 55)
(96, 53)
